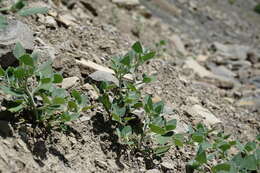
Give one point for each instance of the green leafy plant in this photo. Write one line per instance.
(148, 131)
(34, 91)
(257, 8)
(20, 8)
(245, 160)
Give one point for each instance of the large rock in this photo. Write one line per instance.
(16, 31)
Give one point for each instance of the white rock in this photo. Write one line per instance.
(199, 112)
(69, 82)
(179, 44)
(198, 69)
(126, 3)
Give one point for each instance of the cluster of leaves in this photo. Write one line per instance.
(122, 101)
(257, 8)
(246, 159)
(34, 89)
(20, 8)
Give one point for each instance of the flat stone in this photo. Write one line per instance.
(235, 52)
(167, 165)
(104, 76)
(153, 171)
(69, 82)
(15, 31)
(179, 44)
(126, 3)
(203, 114)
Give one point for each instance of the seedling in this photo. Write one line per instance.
(150, 131)
(34, 90)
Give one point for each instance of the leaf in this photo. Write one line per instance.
(163, 139)
(104, 99)
(161, 150)
(2, 72)
(32, 11)
(10, 91)
(17, 108)
(126, 60)
(58, 92)
(86, 108)
(57, 78)
(198, 137)
(171, 125)
(148, 104)
(148, 79)
(178, 140)
(20, 73)
(119, 111)
(137, 47)
(223, 167)
(18, 50)
(148, 56)
(72, 106)
(250, 146)
(77, 96)
(27, 60)
(201, 157)
(250, 163)
(126, 131)
(257, 8)
(58, 100)
(156, 129)
(45, 69)
(18, 5)
(158, 107)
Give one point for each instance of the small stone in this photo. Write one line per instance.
(91, 90)
(127, 3)
(202, 58)
(69, 82)
(67, 20)
(197, 68)
(203, 114)
(153, 171)
(104, 76)
(101, 164)
(167, 165)
(179, 44)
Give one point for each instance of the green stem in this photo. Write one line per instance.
(31, 101)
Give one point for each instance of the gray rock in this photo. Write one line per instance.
(104, 76)
(234, 52)
(16, 31)
(167, 165)
(221, 71)
(153, 171)
(201, 113)
(179, 44)
(126, 3)
(69, 82)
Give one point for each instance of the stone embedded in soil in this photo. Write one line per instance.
(104, 76)
(69, 82)
(167, 166)
(234, 52)
(153, 171)
(91, 90)
(179, 44)
(5, 129)
(126, 3)
(15, 31)
(203, 114)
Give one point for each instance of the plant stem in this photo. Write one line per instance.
(31, 101)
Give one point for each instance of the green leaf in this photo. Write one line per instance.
(77, 96)
(148, 104)
(198, 137)
(257, 8)
(163, 139)
(148, 56)
(126, 131)
(158, 107)
(58, 100)
(18, 50)
(104, 99)
(10, 91)
(161, 150)
(178, 140)
(57, 78)
(72, 106)
(171, 125)
(258, 138)
(156, 129)
(221, 168)
(250, 163)
(45, 69)
(148, 79)
(27, 60)
(137, 47)
(250, 146)
(18, 5)
(2, 72)
(17, 108)
(58, 92)
(126, 60)
(201, 157)
(119, 111)
(32, 11)
(20, 73)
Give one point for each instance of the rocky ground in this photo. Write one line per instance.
(209, 71)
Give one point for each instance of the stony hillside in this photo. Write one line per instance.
(208, 71)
